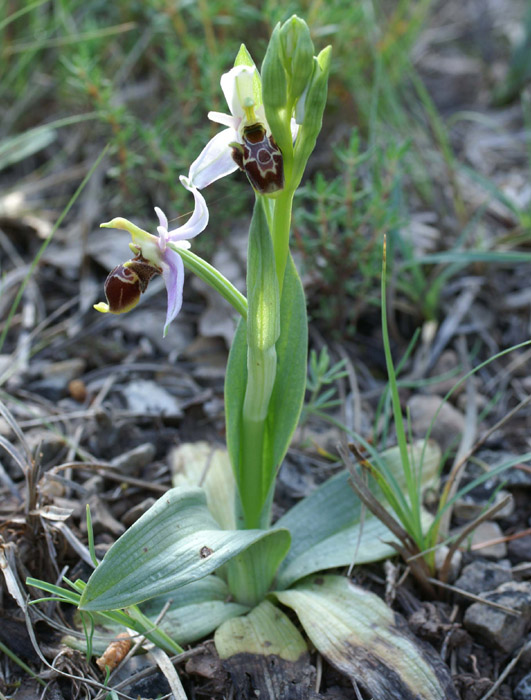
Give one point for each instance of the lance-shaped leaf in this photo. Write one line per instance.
(286, 397)
(175, 542)
(292, 353)
(325, 527)
(364, 639)
(266, 647)
(195, 610)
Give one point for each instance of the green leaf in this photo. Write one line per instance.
(290, 384)
(287, 396)
(263, 317)
(235, 383)
(202, 464)
(196, 610)
(251, 573)
(266, 630)
(326, 526)
(365, 640)
(175, 542)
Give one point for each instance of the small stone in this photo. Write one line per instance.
(520, 549)
(455, 565)
(132, 461)
(481, 576)
(447, 364)
(448, 426)
(489, 533)
(147, 397)
(523, 689)
(497, 627)
(132, 515)
(77, 390)
(66, 369)
(473, 504)
(513, 476)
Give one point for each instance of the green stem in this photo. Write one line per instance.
(261, 372)
(214, 279)
(280, 232)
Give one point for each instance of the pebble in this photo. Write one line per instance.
(523, 689)
(497, 627)
(455, 565)
(488, 532)
(513, 476)
(474, 504)
(65, 369)
(149, 398)
(481, 576)
(132, 461)
(519, 549)
(446, 364)
(447, 428)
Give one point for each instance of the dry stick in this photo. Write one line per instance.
(445, 569)
(503, 675)
(476, 598)
(318, 672)
(367, 497)
(110, 472)
(498, 540)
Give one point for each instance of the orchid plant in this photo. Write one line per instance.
(211, 553)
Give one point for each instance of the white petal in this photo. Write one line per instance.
(173, 275)
(225, 119)
(237, 86)
(294, 129)
(163, 219)
(199, 219)
(214, 161)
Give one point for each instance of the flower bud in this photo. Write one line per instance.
(125, 284)
(311, 116)
(275, 92)
(297, 51)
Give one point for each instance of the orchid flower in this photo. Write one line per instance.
(153, 255)
(246, 143)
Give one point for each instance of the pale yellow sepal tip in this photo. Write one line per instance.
(118, 222)
(102, 306)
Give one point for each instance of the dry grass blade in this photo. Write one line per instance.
(367, 497)
(163, 661)
(506, 671)
(445, 569)
(10, 420)
(476, 598)
(408, 549)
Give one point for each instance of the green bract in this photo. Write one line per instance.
(297, 55)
